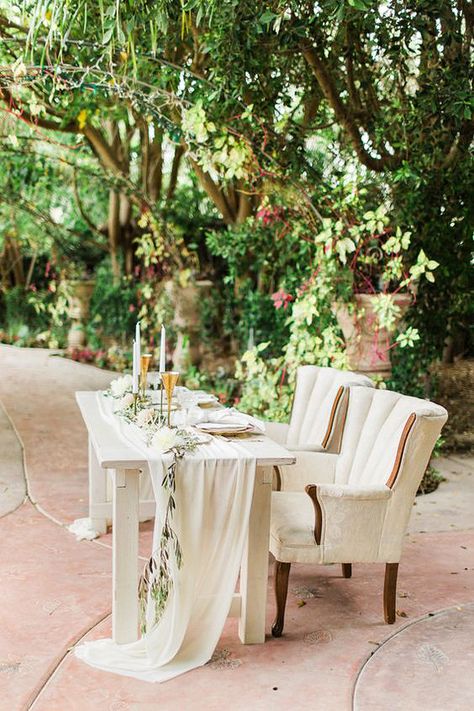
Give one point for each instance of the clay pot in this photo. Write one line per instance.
(367, 345)
(187, 321)
(80, 292)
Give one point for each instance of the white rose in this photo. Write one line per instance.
(165, 439)
(120, 386)
(145, 416)
(125, 402)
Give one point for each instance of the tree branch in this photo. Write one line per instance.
(343, 113)
(22, 115)
(178, 154)
(311, 104)
(214, 192)
(245, 206)
(80, 207)
(155, 173)
(459, 145)
(103, 151)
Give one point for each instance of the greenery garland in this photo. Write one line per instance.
(156, 581)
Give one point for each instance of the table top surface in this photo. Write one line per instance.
(114, 453)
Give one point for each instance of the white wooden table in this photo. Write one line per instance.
(108, 451)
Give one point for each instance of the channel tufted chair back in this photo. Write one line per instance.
(388, 440)
(378, 428)
(360, 511)
(316, 424)
(318, 404)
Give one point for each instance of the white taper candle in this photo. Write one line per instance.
(163, 349)
(138, 343)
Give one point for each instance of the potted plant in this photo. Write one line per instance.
(79, 287)
(186, 293)
(375, 284)
(178, 291)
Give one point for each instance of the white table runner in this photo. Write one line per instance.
(214, 488)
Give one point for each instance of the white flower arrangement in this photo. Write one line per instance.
(165, 438)
(145, 417)
(120, 386)
(125, 402)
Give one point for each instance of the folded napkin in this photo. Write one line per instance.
(83, 530)
(231, 416)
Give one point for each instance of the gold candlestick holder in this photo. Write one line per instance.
(161, 397)
(145, 361)
(169, 380)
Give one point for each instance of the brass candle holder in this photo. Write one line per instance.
(161, 397)
(145, 361)
(169, 379)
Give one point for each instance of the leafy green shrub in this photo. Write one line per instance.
(113, 309)
(32, 317)
(18, 312)
(249, 314)
(410, 370)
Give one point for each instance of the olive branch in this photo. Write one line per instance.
(156, 581)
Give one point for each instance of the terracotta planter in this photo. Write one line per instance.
(79, 301)
(187, 321)
(368, 345)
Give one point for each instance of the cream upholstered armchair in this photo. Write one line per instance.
(362, 515)
(317, 421)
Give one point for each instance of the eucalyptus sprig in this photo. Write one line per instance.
(156, 581)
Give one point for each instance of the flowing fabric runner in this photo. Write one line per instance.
(214, 488)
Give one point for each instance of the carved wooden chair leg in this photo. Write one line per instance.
(390, 592)
(277, 478)
(282, 572)
(346, 570)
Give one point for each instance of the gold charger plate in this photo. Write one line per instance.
(231, 432)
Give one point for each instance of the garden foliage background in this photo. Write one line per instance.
(283, 156)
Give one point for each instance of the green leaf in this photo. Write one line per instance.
(108, 35)
(362, 5)
(267, 17)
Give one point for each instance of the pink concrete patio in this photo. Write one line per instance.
(336, 652)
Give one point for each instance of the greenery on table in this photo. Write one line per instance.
(156, 581)
(148, 142)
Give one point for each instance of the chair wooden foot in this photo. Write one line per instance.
(390, 592)
(346, 570)
(282, 572)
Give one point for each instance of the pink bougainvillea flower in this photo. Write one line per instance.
(281, 298)
(268, 215)
(131, 308)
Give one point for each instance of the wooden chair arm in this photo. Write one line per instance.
(312, 491)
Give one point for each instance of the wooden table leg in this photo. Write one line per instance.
(97, 492)
(125, 556)
(254, 570)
